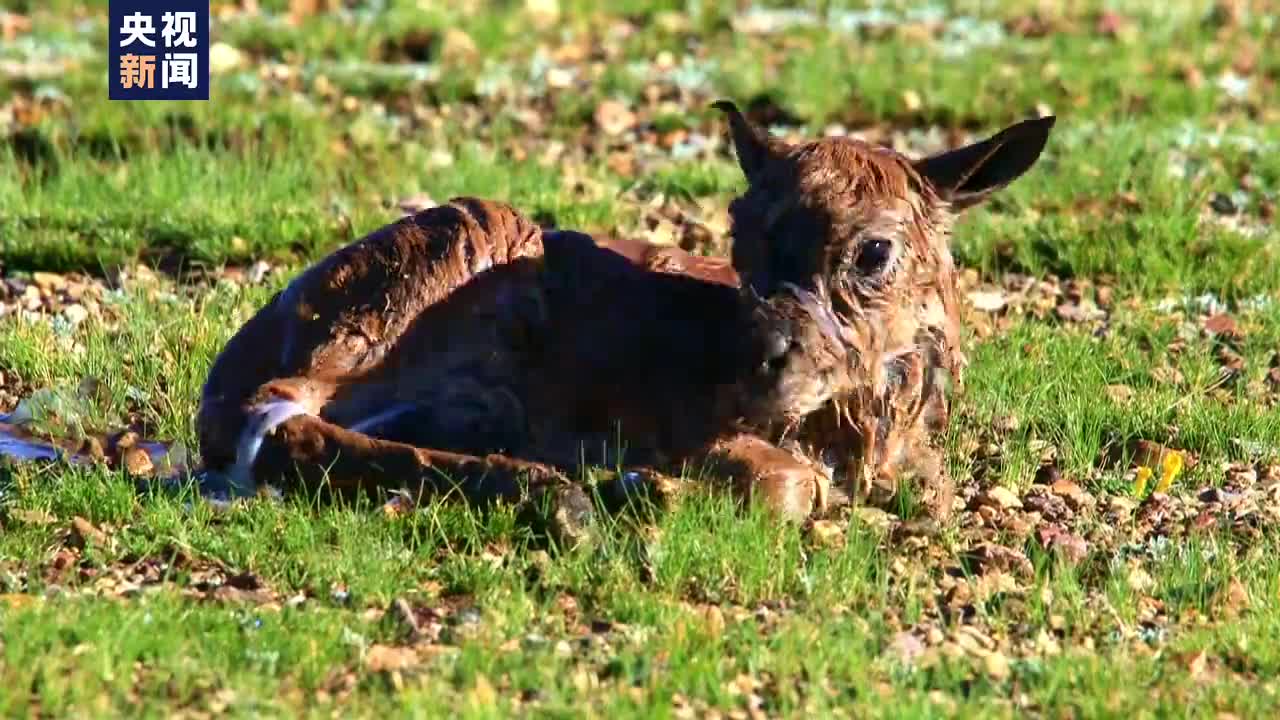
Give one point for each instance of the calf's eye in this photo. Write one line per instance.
(873, 257)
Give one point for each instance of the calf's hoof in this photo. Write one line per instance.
(925, 478)
(563, 513)
(792, 491)
(640, 489)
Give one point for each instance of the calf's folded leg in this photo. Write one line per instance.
(760, 470)
(347, 462)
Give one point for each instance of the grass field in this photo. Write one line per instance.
(1124, 297)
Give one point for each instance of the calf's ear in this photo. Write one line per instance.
(752, 144)
(969, 175)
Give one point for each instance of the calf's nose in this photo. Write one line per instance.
(776, 345)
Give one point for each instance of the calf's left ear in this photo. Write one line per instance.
(969, 175)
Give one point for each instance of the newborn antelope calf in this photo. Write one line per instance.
(463, 349)
(874, 226)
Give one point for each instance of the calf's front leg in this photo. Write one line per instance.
(761, 471)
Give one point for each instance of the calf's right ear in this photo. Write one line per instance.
(969, 175)
(752, 144)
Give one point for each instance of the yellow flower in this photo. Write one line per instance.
(1170, 468)
(1140, 482)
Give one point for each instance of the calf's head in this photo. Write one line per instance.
(871, 223)
(868, 230)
